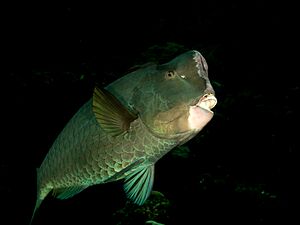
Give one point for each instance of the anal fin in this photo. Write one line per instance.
(65, 193)
(139, 183)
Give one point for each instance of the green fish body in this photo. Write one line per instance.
(126, 127)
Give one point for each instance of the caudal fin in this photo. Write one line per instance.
(41, 195)
(37, 205)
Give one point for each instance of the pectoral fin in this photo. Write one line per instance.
(138, 184)
(113, 117)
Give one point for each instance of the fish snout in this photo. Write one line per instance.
(209, 89)
(208, 101)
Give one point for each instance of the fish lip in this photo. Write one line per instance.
(206, 102)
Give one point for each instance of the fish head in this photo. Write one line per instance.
(176, 98)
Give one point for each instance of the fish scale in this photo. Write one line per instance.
(69, 163)
(126, 127)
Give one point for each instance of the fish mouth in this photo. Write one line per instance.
(207, 102)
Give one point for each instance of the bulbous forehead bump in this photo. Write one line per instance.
(200, 64)
(203, 70)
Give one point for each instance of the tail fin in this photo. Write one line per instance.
(41, 195)
(37, 205)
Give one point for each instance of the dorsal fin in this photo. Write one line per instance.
(138, 184)
(113, 117)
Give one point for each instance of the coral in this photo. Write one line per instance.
(156, 208)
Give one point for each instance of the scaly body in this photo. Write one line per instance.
(125, 128)
(91, 156)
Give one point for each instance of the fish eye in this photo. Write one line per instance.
(170, 74)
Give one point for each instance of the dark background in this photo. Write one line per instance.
(240, 169)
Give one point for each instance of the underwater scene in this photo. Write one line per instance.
(163, 117)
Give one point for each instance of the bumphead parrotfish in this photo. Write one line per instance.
(126, 127)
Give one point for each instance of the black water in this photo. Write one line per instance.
(240, 169)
